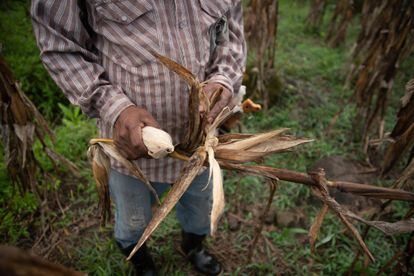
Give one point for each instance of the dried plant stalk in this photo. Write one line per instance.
(261, 31)
(403, 132)
(315, 16)
(383, 43)
(302, 178)
(340, 20)
(323, 194)
(21, 125)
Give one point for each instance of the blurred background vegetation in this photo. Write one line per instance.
(308, 92)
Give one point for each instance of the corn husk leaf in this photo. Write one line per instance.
(232, 137)
(180, 70)
(188, 173)
(279, 144)
(110, 149)
(316, 226)
(195, 133)
(101, 167)
(252, 141)
(21, 124)
(259, 149)
(215, 171)
(238, 156)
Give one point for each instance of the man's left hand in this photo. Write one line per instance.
(223, 101)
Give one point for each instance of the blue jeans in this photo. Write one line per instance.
(133, 206)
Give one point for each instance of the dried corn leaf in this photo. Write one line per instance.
(195, 131)
(110, 149)
(279, 144)
(43, 127)
(314, 230)
(238, 156)
(396, 150)
(252, 141)
(101, 167)
(178, 69)
(188, 173)
(406, 112)
(403, 132)
(385, 41)
(25, 133)
(21, 124)
(405, 175)
(232, 137)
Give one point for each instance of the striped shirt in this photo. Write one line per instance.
(108, 68)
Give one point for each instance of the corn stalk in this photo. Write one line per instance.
(315, 16)
(261, 31)
(402, 135)
(231, 151)
(21, 124)
(385, 40)
(340, 20)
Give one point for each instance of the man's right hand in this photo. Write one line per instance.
(128, 131)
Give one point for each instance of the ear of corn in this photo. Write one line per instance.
(158, 142)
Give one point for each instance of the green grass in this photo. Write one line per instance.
(312, 75)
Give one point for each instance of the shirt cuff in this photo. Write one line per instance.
(113, 107)
(223, 80)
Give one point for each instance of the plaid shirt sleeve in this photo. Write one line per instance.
(63, 40)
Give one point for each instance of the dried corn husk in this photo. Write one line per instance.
(101, 167)
(98, 153)
(188, 173)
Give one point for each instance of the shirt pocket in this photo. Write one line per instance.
(215, 25)
(215, 8)
(129, 30)
(121, 11)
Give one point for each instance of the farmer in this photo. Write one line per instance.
(99, 53)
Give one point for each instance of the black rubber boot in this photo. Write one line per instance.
(201, 259)
(142, 260)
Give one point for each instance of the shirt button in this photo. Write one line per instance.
(124, 18)
(182, 24)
